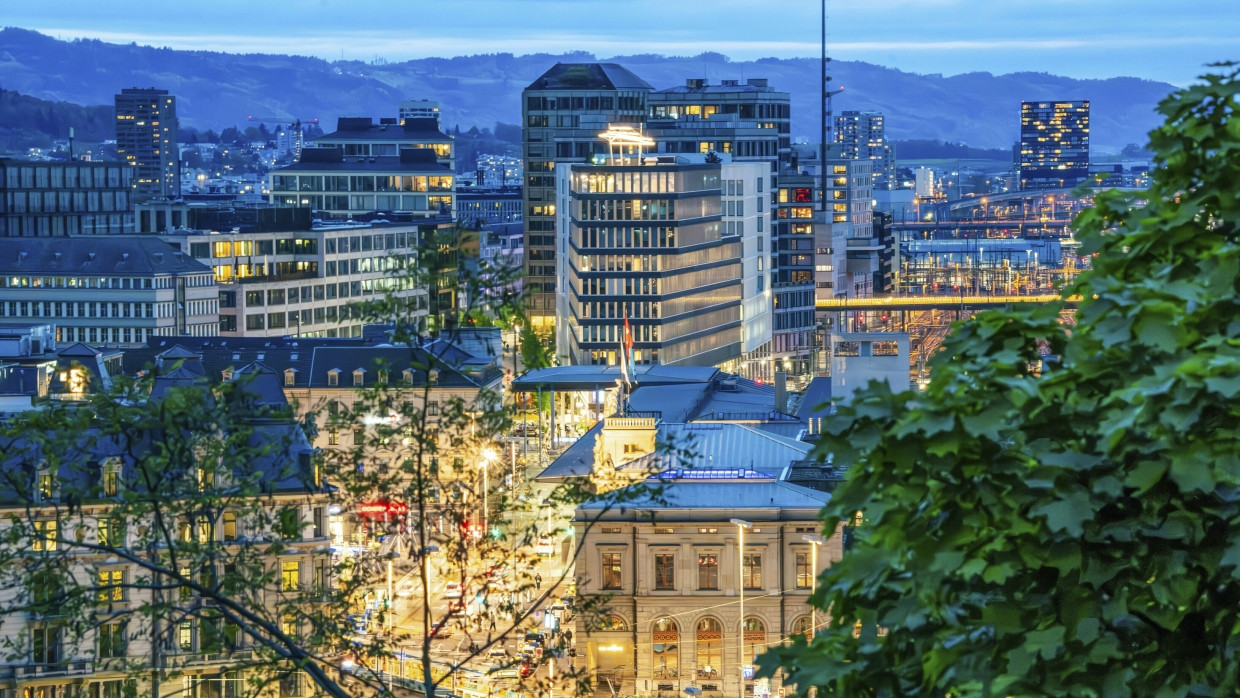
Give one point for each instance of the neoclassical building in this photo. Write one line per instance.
(674, 567)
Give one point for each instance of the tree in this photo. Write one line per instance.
(173, 523)
(534, 348)
(1064, 521)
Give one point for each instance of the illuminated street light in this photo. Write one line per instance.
(741, 525)
(813, 584)
(487, 456)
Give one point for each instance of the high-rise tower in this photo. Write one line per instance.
(1054, 144)
(862, 135)
(562, 113)
(146, 139)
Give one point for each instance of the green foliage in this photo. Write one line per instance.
(536, 349)
(1065, 528)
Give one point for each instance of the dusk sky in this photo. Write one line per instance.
(1168, 41)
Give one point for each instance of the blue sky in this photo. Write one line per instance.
(1168, 41)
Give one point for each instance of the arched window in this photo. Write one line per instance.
(665, 644)
(613, 623)
(802, 626)
(709, 648)
(755, 639)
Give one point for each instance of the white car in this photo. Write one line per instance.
(453, 591)
(544, 548)
(504, 672)
(405, 588)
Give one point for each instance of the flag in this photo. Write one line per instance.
(626, 356)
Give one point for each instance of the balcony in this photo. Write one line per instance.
(74, 668)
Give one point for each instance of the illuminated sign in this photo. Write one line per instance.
(611, 648)
(803, 195)
(381, 509)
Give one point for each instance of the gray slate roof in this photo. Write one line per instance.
(361, 128)
(720, 447)
(94, 255)
(588, 76)
(411, 161)
(703, 496)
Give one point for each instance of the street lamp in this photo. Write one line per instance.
(741, 525)
(487, 456)
(813, 579)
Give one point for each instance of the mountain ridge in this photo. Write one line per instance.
(216, 90)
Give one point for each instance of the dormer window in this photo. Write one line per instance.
(46, 486)
(333, 377)
(227, 374)
(290, 376)
(407, 376)
(111, 478)
(382, 377)
(359, 377)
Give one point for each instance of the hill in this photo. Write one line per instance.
(217, 90)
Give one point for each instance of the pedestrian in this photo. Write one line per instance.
(538, 581)
(568, 635)
(492, 621)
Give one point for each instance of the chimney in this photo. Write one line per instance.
(781, 391)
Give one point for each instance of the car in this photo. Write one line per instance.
(456, 608)
(497, 653)
(543, 547)
(405, 588)
(453, 591)
(440, 629)
(504, 672)
(526, 669)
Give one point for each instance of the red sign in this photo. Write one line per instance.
(802, 195)
(382, 510)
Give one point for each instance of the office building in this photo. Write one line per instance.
(677, 249)
(115, 291)
(336, 185)
(279, 274)
(419, 109)
(861, 135)
(750, 121)
(562, 113)
(56, 199)
(478, 206)
(1054, 144)
(361, 137)
(146, 140)
(856, 251)
(800, 269)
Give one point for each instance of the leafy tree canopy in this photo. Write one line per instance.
(1069, 527)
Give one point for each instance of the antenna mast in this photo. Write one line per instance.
(827, 114)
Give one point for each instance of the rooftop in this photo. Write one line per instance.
(94, 255)
(589, 76)
(411, 160)
(703, 497)
(363, 128)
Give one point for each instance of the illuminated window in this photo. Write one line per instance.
(665, 642)
(611, 571)
(290, 575)
(665, 571)
(45, 536)
(708, 572)
(111, 585)
(751, 571)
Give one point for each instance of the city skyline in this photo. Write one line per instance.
(1080, 40)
